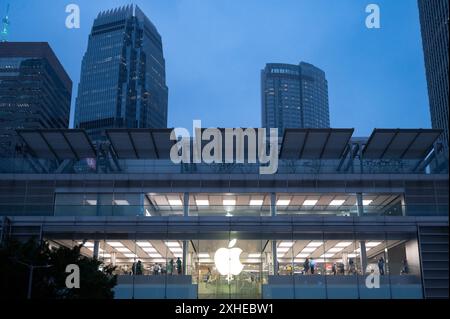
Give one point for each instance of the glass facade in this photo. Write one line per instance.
(122, 81)
(434, 27)
(294, 96)
(35, 91)
(315, 265)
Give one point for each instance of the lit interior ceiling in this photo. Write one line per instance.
(216, 202)
(253, 251)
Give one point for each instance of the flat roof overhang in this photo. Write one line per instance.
(278, 227)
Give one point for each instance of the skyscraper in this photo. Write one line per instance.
(294, 96)
(123, 82)
(434, 27)
(35, 90)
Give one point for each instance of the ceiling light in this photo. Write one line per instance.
(202, 202)
(121, 202)
(351, 255)
(149, 249)
(256, 202)
(178, 255)
(283, 249)
(252, 261)
(315, 244)
(373, 243)
(229, 202)
(367, 202)
(308, 249)
(105, 255)
(130, 255)
(302, 255)
(172, 244)
(256, 255)
(86, 244)
(155, 255)
(203, 255)
(175, 202)
(327, 255)
(337, 202)
(344, 244)
(283, 202)
(176, 249)
(310, 202)
(91, 202)
(335, 250)
(286, 244)
(123, 250)
(143, 244)
(115, 243)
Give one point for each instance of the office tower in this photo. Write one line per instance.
(35, 90)
(294, 96)
(434, 27)
(122, 80)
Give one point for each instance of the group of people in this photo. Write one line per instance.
(338, 268)
(172, 267)
(309, 266)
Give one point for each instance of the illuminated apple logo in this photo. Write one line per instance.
(227, 260)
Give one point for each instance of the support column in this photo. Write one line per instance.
(359, 204)
(273, 204)
(274, 257)
(185, 254)
(363, 256)
(186, 204)
(96, 246)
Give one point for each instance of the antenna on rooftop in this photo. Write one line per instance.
(5, 26)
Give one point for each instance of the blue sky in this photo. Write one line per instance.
(215, 49)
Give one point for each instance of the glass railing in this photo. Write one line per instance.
(93, 166)
(220, 211)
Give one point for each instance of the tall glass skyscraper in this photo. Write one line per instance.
(123, 81)
(35, 91)
(294, 96)
(434, 26)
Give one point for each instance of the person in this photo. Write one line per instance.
(139, 268)
(312, 265)
(156, 269)
(381, 265)
(159, 269)
(179, 266)
(405, 269)
(333, 269)
(170, 267)
(352, 269)
(133, 268)
(306, 265)
(208, 275)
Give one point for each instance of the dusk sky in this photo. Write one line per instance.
(215, 50)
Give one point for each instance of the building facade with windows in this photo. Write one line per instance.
(294, 96)
(434, 27)
(338, 210)
(123, 81)
(35, 91)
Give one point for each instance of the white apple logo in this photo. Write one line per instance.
(227, 260)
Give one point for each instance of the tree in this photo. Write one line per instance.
(49, 281)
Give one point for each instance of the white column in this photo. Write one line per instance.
(359, 204)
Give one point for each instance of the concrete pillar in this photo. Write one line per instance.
(363, 256)
(274, 257)
(96, 246)
(185, 254)
(273, 204)
(186, 204)
(359, 204)
(113, 258)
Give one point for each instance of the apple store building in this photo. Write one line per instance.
(343, 217)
